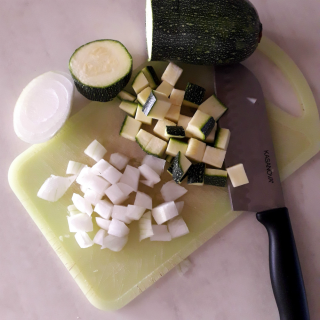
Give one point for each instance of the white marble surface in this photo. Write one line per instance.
(229, 276)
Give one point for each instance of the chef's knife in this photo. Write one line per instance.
(251, 144)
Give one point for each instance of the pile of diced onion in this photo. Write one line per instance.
(106, 186)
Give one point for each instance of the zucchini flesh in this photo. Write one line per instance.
(130, 128)
(213, 107)
(160, 128)
(174, 113)
(156, 147)
(151, 76)
(169, 158)
(212, 134)
(237, 175)
(177, 96)
(140, 116)
(101, 69)
(140, 82)
(172, 74)
(165, 88)
(142, 97)
(143, 138)
(200, 125)
(214, 156)
(195, 150)
(196, 174)
(175, 132)
(222, 139)
(215, 177)
(156, 106)
(129, 107)
(175, 146)
(181, 166)
(124, 95)
(184, 121)
(193, 96)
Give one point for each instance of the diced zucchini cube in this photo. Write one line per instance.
(193, 96)
(200, 125)
(183, 122)
(124, 95)
(129, 107)
(165, 88)
(212, 134)
(140, 116)
(156, 106)
(173, 113)
(172, 74)
(143, 138)
(214, 156)
(156, 147)
(176, 145)
(140, 82)
(160, 128)
(130, 127)
(222, 139)
(237, 175)
(143, 95)
(177, 96)
(151, 76)
(213, 107)
(175, 132)
(215, 177)
(196, 174)
(195, 150)
(180, 167)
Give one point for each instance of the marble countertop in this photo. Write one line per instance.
(229, 276)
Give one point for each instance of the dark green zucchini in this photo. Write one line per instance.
(215, 177)
(181, 166)
(193, 96)
(175, 132)
(196, 174)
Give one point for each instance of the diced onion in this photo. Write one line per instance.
(112, 175)
(143, 200)
(95, 150)
(160, 233)
(147, 183)
(100, 166)
(171, 191)
(114, 243)
(156, 164)
(177, 227)
(115, 194)
(120, 213)
(118, 228)
(80, 222)
(119, 160)
(83, 239)
(164, 212)
(92, 181)
(74, 167)
(82, 204)
(103, 223)
(145, 226)
(55, 187)
(131, 177)
(135, 212)
(104, 209)
(180, 206)
(100, 235)
(125, 188)
(92, 196)
(83, 188)
(149, 174)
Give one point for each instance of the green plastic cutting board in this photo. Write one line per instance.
(110, 280)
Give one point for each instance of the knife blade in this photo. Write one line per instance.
(251, 144)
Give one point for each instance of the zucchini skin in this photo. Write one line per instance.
(101, 94)
(206, 32)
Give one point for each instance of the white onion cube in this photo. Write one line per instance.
(104, 208)
(82, 204)
(112, 175)
(103, 223)
(88, 179)
(114, 243)
(80, 222)
(118, 228)
(171, 191)
(177, 227)
(131, 177)
(100, 166)
(135, 212)
(120, 213)
(160, 233)
(100, 235)
(83, 239)
(145, 226)
(156, 164)
(119, 160)
(180, 206)
(149, 174)
(147, 183)
(164, 212)
(116, 195)
(143, 200)
(92, 196)
(125, 188)
(95, 150)
(74, 167)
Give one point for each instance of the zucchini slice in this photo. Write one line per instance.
(196, 174)
(213, 107)
(156, 106)
(180, 167)
(175, 132)
(124, 95)
(193, 96)
(177, 96)
(175, 146)
(165, 88)
(140, 116)
(151, 76)
(237, 175)
(140, 82)
(215, 177)
(174, 113)
(222, 139)
(195, 150)
(160, 128)
(101, 69)
(130, 128)
(214, 156)
(129, 107)
(183, 122)
(172, 74)
(142, 97)
(200, 125)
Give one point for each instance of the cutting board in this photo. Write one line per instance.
(110, 280)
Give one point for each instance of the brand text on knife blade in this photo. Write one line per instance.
(268, 165)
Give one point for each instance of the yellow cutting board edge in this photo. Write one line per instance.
(112, 285)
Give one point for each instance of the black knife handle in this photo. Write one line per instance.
(285, 271)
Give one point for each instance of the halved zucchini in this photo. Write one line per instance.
(101, 69)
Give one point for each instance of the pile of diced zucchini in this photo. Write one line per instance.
(190, 143)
